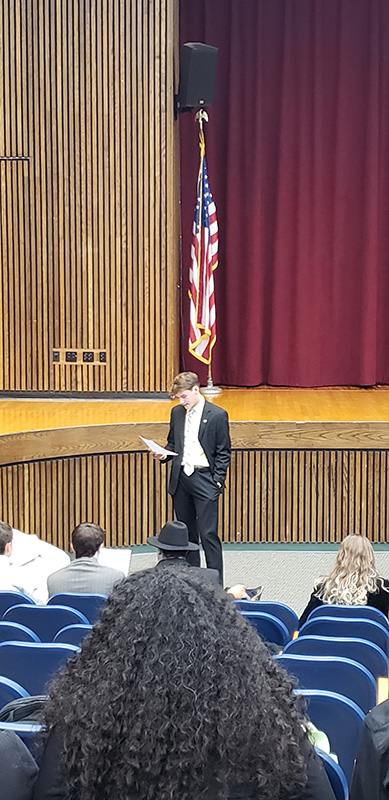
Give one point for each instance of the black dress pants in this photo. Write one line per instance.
(196, 502)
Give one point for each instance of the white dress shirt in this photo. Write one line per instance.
(193, 455)
(8, 580)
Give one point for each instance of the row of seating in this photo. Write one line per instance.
(88, 604)
(338, 658)
(35, 641)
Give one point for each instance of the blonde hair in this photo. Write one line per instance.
(354, 575)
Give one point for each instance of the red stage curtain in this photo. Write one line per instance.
(298, 163)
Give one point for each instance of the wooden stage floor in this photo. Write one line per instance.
(307, 465)
(243, 405)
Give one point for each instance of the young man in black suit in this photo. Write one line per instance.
(199, 434)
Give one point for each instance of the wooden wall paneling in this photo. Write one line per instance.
(268, 504)
(3, 226)
(171, 341)
(270, 496)
(303, 486)
(166, 192)
(250, 479)
(151, 183)
(344, 490)
(376, 516)
(383, 529)
(282, 497)
(306, 501)
(134, 266)
(4, 324)
(332, 497)
(122, 366)
(83, 232)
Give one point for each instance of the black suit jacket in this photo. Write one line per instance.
(182, 564)
(214, 437)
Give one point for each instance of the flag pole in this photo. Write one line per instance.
(210, 389)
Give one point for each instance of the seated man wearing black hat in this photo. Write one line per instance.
(173, 546)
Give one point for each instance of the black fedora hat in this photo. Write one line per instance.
(173, 536)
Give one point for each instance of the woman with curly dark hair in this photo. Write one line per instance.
(174, 696)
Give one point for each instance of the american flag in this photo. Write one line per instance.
(204, 260)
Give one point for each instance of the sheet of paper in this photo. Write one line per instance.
(156, 448)
(116, 557)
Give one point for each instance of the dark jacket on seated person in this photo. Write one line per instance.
(371, 771)
(379, 599)
(18, 769)
(50, 783)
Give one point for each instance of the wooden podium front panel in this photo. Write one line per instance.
(270, 496)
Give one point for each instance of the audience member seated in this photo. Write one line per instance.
(8, 576)
(173, 547)
(353, 581)
(238, 591)
(371, 771)
(85, 574)
(174, 695)
(33, 561)
(18, 769)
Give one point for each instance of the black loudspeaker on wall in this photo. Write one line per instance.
(197, 76)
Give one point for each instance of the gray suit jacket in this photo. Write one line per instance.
(84, 575)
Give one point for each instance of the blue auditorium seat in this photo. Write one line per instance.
(89, 604)
(9, 599)
(348, 627)
(73, 634)
(360, 650)
(10, 690)
(355, 612)
(341, 675)
(269, 628)
(33, 664)
(340, 719)
(14, 632)
(279, 610)
(46, 621)
(335, 775)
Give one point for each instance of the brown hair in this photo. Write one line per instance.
(184, 380)
(6, 536)
(86, 539)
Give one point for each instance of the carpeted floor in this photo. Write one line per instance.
(287, 573)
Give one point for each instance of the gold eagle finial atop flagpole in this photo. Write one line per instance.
(201, 117)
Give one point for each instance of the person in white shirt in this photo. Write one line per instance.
(199, 434)
(7, 575)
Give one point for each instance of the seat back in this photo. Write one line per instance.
(341, 720)
(46, 621)
(14, 632)
(354, 612)
(9, 599)
(89, 604)
(33, 664)
(269, 628)
(73, 634)
(366, 653)
(29, 733)
(279, 610)
(335, 775)
(348, 627)
(342, 675)
(10, 690)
